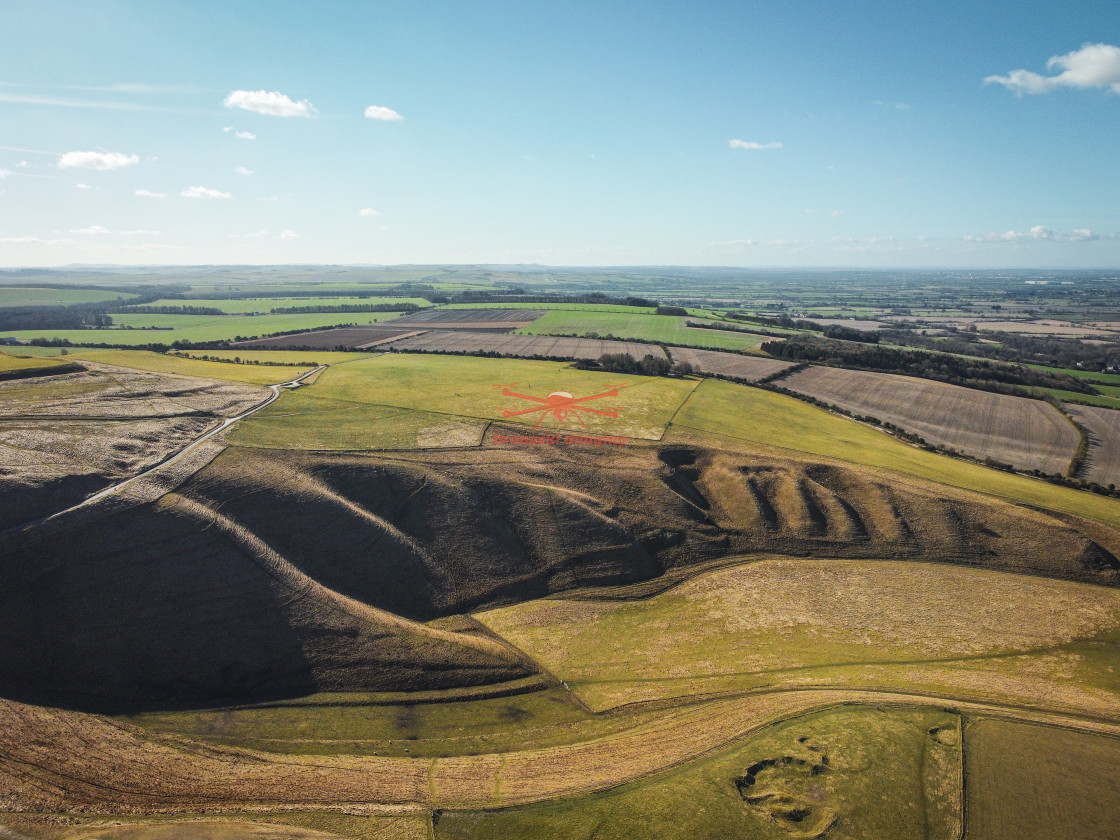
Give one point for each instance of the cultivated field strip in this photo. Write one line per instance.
(461, 341)
(347, 337)
(750, 368)
(1029, 434)
(1103, 424)
(111, 767)
(474, 319)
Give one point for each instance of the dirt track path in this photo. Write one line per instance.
(53, 760)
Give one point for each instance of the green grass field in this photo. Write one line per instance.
(267, 304)
(201, 327)
(31, 296)
(288, 357)
(166, 363)
(1028, 782)
(851, 773)
(729, 629)
(754, 416)
(16, 361)
(400, 401)
(666, 329)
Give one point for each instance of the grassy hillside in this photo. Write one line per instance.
(788, 623)
(267, 304)
(31, 296)
(12, 360)
(761, 418)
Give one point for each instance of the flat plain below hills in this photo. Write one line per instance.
(472, 341)
(1029, 434)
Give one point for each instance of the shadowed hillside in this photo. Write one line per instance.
(276, 574)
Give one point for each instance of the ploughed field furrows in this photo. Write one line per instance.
(462, 341)
(274, 574)
(63, 438)
(749, 368)
(1028, 434)
(344, 337)
(1103, 425)
(473, 319)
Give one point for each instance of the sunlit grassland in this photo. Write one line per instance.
(13, 360)
(666, 329)
(783, 622)
(399, 400)
(573, 307)
(878, 773)
(167, 363)
(732, 412)
(201, 328)
(288, 357)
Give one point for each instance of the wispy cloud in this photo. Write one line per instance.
(34, 240)
(141, 233)
(380, 112)
(85, 187)
(61, 102)
(149, 194)
(368, 211)
(898, 106)
(240, 135)
(289, 234)
(94, 230)
(4, 173)
(97, 160)
(1038, 232)
(260, 234)
(243, 170)
(750, 145)
(273, 103)
(203, 192)
(1092, 66)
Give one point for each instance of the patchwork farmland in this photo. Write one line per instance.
(1103, 425)
(1029, 434)
(464, 341)
(749, 368)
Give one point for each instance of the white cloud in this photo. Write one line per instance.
(368, 211)
(898, 106)
(245, 135)
(1038, 232)
(752, 146)
(1092, 66)
(203, 192)
(149, 194)
(34, 240)
(4, 173)
(22, 164)
(85, 187)
(94, 230)
(242, 170)
(257, 235)
(97, 160)
(141, 233)
(380, 112)
(289, 234)
(273, 103)
(835, 213)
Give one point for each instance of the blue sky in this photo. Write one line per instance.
(750, 134)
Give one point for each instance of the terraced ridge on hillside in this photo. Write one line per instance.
(275, 574)
(1029, 434)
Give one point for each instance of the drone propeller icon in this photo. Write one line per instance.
(560, 404)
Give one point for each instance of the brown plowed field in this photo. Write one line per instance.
(750, 368)
(1030, 434)
(346, 337)
(462, 341)
(1103, 424)
(473, 319)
